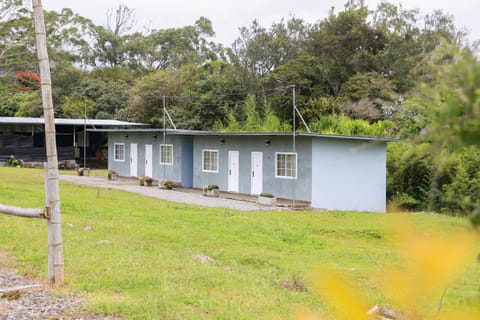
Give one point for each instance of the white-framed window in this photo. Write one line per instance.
(210, 160)
(286, 165)
(166, 154)
(119, 152)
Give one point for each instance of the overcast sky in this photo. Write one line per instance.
(228, 16)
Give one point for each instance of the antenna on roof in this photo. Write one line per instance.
(169, 118)
(85, 136)
(295, 109)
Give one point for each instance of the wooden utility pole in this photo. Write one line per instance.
(52, 192)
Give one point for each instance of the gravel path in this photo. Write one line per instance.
(169, 195)
(22, 298)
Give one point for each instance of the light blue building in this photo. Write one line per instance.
(329, 171)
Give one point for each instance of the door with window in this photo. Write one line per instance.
(133, 160)
(148, 160)
(257, 173)
(233, 171)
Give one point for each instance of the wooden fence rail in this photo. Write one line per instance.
(24, 212)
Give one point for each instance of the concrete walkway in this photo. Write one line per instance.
(194, 198)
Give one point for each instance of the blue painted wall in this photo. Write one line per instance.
(121, 167)
(280, 187)
(160, 171)
(341, 174)
(349, 175)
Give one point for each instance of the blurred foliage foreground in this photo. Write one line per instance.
(432, 262)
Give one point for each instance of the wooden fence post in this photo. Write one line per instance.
(52, 185)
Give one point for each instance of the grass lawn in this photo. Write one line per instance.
(132, 256)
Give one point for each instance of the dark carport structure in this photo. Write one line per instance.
(24, 138)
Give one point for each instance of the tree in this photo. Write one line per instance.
(65, 30)
(110, 48)
(174, 47)
(16, 52)
(310, 79)
(456, 98)
(364, 96)
(346, 43)
(106, 97)
(409, 44)
(147, 95)
(197, 97)
(437, 169)
(259, 51)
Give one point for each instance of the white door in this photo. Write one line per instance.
(233, 171)
(133, 160)
(257, 173)
(148, 160)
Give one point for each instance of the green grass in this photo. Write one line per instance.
(145, 271)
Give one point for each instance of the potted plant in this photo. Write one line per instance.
(83, 171)
(267, 199)
(141, 181)
(112, 175)
(148, 181)
(211, 190)
(167, 184)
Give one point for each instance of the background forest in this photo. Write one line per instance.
(385, 71)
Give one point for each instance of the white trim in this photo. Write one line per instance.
(296, 165)
(115, 152)
(160, 151)
(203, 160)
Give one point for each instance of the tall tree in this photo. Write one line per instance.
(110, 48)
(175, 47)
(346, 43)
(260, 50)
(67, 33)
(411, 38)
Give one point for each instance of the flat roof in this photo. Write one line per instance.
(74, 122)
(249, 134)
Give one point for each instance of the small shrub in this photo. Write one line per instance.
(14, 162)
(110, 173)
(405, 201)
(212, 186)
(141, 181)
(266, 195)
(475, 218)
(168, 184)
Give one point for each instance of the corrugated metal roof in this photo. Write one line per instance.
(250, 134)
(74, 122)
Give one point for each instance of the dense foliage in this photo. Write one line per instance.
(389, 71)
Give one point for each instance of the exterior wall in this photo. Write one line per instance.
(299, 188)
(160, 171)
(349, 175)
(338, 174)
(121, 167)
